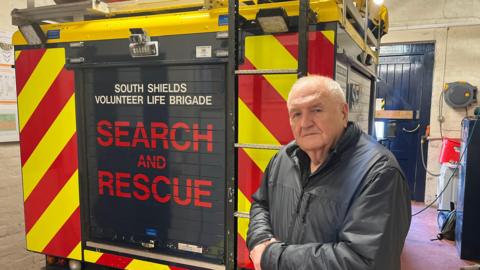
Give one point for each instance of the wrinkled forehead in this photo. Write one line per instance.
(309, 94)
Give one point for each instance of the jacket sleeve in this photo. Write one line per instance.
(259, 228)
(371, 237)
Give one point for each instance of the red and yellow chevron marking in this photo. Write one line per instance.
(48, 144)
(262, 110)
(121, 262)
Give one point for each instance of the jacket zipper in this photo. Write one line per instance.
(304, 184)
(307, 205)
(293, 223)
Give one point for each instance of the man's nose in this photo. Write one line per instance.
(306, 121)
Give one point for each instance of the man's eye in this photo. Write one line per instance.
(317, 110)
(295, 115)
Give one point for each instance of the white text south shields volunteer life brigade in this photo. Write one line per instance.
(154, 135)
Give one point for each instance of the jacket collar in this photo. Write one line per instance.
(349, 137)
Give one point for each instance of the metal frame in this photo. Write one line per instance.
(232, 93)
(38, 14)
(334, 10)
(156, 256)
(371, 110)
(258, 146)
(93, 8)
(304, 8)
(351, 11)
(230, 229)
(232, 131)
(82, 154)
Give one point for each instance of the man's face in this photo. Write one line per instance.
(317, 117)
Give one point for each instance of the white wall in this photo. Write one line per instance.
(8, 5)
(454, 26)
(13, 255)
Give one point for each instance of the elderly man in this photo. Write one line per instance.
(331, 199)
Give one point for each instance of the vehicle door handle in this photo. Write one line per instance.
(411, 131)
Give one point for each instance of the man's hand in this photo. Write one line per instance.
(257, 251)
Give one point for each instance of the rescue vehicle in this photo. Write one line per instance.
(145, 126)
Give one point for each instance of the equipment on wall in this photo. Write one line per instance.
(460, 94)
(476, 112)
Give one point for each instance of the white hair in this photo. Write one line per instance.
(331, 85)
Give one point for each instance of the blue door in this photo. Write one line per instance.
(405, 85)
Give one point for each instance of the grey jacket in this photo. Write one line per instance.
(352, 213)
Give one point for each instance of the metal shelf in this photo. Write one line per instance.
(354, 14)
(94, 9)
(60, 13)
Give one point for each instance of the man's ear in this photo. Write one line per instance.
(345, 113)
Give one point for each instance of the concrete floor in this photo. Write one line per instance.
(420, 253)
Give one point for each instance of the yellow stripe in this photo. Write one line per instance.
(39, 82)
(330, 35)
(76, 252)
(243, 202)
(252, 130)
(260, 157)
(49, 147)
(266, 52)
(243, 206)
(17, 54)
(91, 256)
(57, 213)
(144, 265)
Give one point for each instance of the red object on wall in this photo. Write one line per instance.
(450, 150)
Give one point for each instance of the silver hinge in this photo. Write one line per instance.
(241, 215)
(77, 44)
(77, 60)
(231, 194)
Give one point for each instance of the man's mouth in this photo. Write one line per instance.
(309, 134)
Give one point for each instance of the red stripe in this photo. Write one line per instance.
(67, 238)
(266, 103)
(250, 176)
(51, 183)
(320, 52)
(47, 111)
(177, 268)
(25, 65)
(243, 258)
(114, 261)
(290, 42)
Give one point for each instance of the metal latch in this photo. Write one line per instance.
(241, 215)
(77, 44)
(141, 45)
(77, 60)
(150, 244)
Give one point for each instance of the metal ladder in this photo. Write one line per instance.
(234, 72)
(233, 57)
(233, 30)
